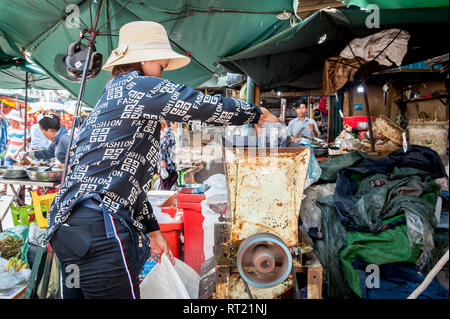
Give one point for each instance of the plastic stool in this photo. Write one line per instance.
(38, 201)
(22, 215)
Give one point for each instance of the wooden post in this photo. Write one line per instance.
(257, 95)
(26, 111)
(369, 121)
(314, 289)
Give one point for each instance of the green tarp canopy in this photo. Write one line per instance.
(208, 30)
(14, 78)
(221, 36)
(397, 4)
(13, 69)
(294, 58)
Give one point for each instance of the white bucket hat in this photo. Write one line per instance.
(144, 41)
(15, 116)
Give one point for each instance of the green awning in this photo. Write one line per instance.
(397, 4)
(294, 59)
(13, 69)
(208, 30)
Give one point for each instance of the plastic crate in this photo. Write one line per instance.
(22, 215)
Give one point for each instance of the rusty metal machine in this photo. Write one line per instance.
(257, 251)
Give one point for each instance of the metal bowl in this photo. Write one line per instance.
(13, 171)
(40, 174)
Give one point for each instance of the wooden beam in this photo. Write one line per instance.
(318, 5)
(257, 95)
(294, 94)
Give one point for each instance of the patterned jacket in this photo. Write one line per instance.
(167, 154)
(117, 150)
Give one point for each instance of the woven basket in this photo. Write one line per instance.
(389, 129)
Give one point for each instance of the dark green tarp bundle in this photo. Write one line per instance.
(394, 217)
(328, 248)
(386, 247)
(331, 167)
(374, 204)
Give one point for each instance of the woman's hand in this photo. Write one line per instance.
(160, 245)
(267, 116)
(163, 164)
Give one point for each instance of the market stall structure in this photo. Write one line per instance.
(278, 52)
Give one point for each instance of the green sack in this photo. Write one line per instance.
(389, 246)
(327, 251)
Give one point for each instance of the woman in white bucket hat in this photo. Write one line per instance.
(101, 219)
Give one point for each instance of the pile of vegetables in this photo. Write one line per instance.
(10, 247)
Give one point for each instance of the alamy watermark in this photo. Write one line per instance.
(373, 277)
(373, 19)
(73, 19)
(73, 276)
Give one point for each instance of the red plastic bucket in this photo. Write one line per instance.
(170, 231)
(193, 229)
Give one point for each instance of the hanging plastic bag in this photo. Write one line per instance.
(217, 193)
(164, 173)
(210, 219)
(314, 172)
(167, 281)
(310, 213)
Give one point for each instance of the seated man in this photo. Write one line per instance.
(302, 125)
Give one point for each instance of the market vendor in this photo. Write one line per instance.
(15, 135)
(302, 125)
(167, 166)
(50, 126)
(100, 218)
(38, 140)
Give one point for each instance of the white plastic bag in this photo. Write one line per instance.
(310, 214)
(218, 190)
(164, 173)
(166, 281)
(12, 281)
(314, 172)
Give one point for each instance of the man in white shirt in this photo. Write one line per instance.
(38, 140)
(302, 125)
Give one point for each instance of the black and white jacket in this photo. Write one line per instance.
(117, 150)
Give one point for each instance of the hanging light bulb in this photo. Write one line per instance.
(284, 15)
